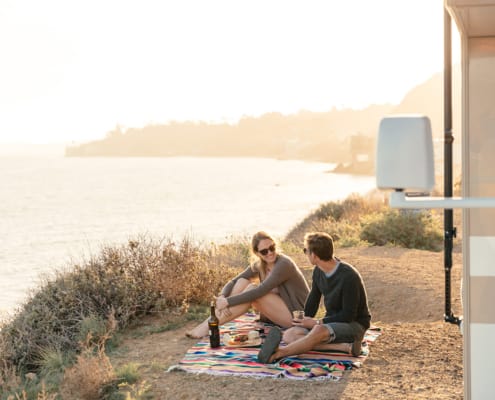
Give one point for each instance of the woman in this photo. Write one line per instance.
(282, 288)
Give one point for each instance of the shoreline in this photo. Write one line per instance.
(120, 213)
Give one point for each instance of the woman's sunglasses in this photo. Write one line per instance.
(264, 252)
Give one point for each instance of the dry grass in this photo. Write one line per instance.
(148, 277)
(133, 280)
(92, 371)
(417, 357)
(86, 379)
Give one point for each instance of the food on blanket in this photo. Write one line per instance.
(226, 338)
(253, 335)
(251, 338)
(238, 339)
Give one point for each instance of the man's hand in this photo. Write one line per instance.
(306, 322)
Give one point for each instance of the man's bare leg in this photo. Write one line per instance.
(296, 333)
(316, 336)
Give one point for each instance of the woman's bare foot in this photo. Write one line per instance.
(200, 331)
(191, 335)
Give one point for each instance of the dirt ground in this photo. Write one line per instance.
(418, 356)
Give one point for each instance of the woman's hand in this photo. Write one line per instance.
(222, 303)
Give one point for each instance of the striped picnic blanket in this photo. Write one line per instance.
(242, 361)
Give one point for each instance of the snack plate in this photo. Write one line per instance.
(249, 343)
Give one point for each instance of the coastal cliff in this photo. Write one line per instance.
(340, 136)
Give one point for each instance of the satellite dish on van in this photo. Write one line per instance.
(404, 158)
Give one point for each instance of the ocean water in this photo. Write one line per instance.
(57, 210)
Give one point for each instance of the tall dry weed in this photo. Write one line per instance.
(92, 371)
(9, 379)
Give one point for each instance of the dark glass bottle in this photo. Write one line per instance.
(214, 328)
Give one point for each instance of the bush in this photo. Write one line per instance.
(127, 282)
(365, 221)
(410, 229)
(128, 373)
(340, 219)
(124, 283)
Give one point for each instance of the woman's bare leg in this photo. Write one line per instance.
(226, 315)
(273, 307)
(240, 286)
(270, 305)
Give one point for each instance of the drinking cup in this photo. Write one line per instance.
(298, 314)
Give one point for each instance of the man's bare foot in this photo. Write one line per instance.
(344, 347)
(275, 357)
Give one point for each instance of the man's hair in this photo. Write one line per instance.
(319, 243)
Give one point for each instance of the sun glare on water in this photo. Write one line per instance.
(72, 71)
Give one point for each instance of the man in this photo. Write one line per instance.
(347, 315)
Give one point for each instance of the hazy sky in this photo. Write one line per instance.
(73, 70)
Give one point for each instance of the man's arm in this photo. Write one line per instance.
(313, 300)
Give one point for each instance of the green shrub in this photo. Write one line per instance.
(52, 366)
(364, 221)
(340, 219)
(128, 373)
(410, 229)
(330, 210)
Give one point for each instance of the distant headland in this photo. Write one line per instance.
(345, 137)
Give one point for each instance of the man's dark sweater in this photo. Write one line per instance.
(344, 296)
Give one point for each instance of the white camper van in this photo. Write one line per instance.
(475, 20)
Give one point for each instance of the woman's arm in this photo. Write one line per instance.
(248, 274)
(282, 271)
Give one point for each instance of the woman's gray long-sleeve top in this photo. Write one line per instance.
(285, 276)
